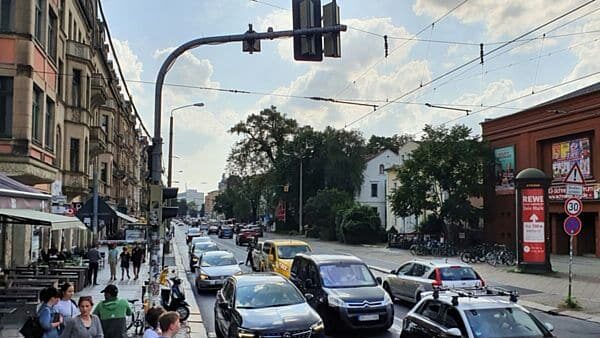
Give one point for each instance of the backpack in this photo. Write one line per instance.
(32, 328)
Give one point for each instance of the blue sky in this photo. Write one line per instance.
(144, 31)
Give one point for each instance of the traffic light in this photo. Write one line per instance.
(332, 43)
(307, 14)
(169, 211)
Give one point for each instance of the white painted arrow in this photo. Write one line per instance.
(533, 218)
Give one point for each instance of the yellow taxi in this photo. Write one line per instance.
(278, 254)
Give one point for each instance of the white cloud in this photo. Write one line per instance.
(130, 64)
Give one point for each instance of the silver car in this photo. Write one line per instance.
(413, 278)
(214, 267)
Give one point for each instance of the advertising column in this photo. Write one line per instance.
(533, 212)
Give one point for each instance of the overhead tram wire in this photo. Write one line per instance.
(112, 47)
(455, 69)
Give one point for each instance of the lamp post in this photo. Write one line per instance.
(170, 169)
(305, 151)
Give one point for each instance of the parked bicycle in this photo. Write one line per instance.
(136, 320)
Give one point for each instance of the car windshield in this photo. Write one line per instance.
(201, 239)
(202, 247)
(290, 251)
(218, 260)
(458, 273)
(502, 323)
(267, 295)
(192, 231)
(346, 275)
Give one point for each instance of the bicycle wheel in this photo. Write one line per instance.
(129, 320)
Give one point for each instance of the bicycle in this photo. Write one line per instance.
(136, 319)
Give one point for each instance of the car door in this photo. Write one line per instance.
(314, 287)
(451, 318)
(424, 321)
(224, 306)
(396, 281)
(265, 255)
(414, 279)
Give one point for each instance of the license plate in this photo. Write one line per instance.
(366, 318)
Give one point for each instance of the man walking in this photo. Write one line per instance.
(113, 257)
(112, 312)
(169, 324)
(137, 256)
(94, 257)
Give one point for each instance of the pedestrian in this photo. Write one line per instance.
(153, 331)
(49, 319)
(249, 257)
(94, 257)
(84, 325)
(112, 312)
(113, 257)
(169, 324)
(66, 306)
(125, 258)
(137, 255)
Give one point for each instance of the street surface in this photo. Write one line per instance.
(564, 326)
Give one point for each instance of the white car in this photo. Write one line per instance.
(480, 313)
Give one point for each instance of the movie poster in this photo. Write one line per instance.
(566, 154)
(505, 170)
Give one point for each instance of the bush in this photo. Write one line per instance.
(360, 225)
(322, 209)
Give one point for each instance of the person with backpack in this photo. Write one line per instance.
(66, 306)
(48, 318)
(84, 325)
(112, 312)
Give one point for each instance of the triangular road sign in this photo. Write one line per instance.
(575, 176)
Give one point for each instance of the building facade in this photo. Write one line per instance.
(551, 137)
(401, 224)
(62, 114)
(192, 195)
(209, 203)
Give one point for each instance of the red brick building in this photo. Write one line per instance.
(552, 137)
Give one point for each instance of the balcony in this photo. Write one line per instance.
(99, 90)
(79, 50)
(99, 140)
(75, 183)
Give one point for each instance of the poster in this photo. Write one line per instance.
(505, 170)
(533, 214)
(566, 154)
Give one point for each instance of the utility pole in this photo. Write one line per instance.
(95, 202)
(300, 213)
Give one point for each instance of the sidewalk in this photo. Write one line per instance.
(549, 290)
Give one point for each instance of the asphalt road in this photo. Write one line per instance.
(564, 326)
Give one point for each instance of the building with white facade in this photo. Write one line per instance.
(192, 195)
(401, 224)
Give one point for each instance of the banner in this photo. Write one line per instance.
(565, 154)
(533, 213)
(505, 170)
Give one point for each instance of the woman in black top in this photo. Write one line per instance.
(125, 258)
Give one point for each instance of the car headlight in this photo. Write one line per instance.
(244, 333)
(387, 300)
(334, 301)
(318, 326)
(203, 276)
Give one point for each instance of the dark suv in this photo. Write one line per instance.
(343, 291)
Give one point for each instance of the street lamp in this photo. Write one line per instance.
(170, 170)
(305, 151)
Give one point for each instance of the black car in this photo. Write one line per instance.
(345, 293)
(264, 305)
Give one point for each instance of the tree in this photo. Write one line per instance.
(193, 209)
(323, 208)
(360, 224)
(378, 144)
(442, 174)
(183, 207)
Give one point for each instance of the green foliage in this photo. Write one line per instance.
(378, 144)
(360, 224)
(321, 211)
(183, 207)
(432, 225)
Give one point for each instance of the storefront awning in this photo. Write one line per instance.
(27, 216)
(127, 218)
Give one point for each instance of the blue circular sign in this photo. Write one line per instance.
(572, 225)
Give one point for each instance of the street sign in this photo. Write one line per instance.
(575, 176)
(572, 225)
(574, 189)
(573, 206)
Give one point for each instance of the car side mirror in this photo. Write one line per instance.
(309, 296)
(393, 272)
(453, 332)
(379, 281)
(549, 326)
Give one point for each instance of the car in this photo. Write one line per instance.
(214, 267)
(203, 226)
(279, 253)
(245, 236)
(226, 231)
(477, 313)
(198, 239)
(191, 233)
(264, 305)
(198, 250)
(414, 277)
(346, 294)
(257, 256)
(257, 228)
(213, 229)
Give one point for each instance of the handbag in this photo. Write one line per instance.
(32, 328)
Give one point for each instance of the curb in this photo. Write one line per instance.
(195, 321)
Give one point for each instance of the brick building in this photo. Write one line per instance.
(551, 137)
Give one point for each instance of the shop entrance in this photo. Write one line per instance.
(586, 240)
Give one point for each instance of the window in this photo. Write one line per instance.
(5, 6)
(49, 135)
(70, 24)
(39, 18)
(58, 157)
(59, 90)
(6, 97)
(373, 189)
(74, 155)
(404, 269)
(104, 126)
(431, 310)
(76, 88)
(103, 172)
(52, 35)
(381, 169)
(36, 115)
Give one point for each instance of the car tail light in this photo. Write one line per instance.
(438, 278)
(480, 279)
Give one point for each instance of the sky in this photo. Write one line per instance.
(427, 41)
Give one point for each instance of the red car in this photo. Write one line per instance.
(246, 236)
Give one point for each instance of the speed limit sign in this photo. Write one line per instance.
(573, 206)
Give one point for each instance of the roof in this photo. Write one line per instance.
(259, 278)
(217, 253)
(286, 241)
(331, 258)
(28, 216)
(372, 156)
(484, 302)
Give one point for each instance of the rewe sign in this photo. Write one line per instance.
(533, 213)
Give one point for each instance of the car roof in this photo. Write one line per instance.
(201, 239)
(440, 263)
(259, 278)
(286, 242)
(217, 253)
(476, 302)
(321, 258)
(193, 230)
(200, 244)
